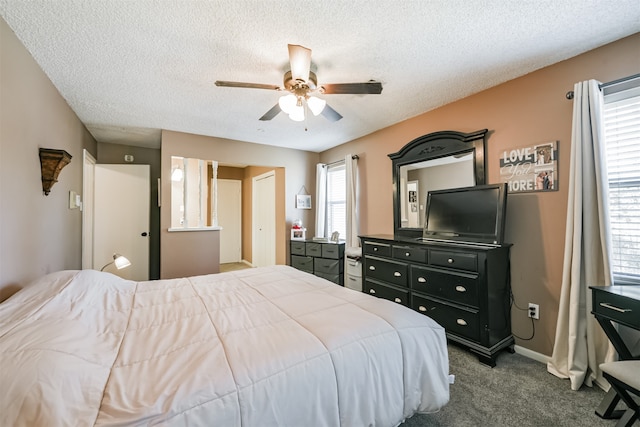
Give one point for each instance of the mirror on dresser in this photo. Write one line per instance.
(435, 161)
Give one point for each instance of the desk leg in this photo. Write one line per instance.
(607, 407)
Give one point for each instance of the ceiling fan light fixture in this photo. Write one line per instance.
(297, 114)
(287, 103)
(316, 105)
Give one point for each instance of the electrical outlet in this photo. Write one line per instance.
(534, 311)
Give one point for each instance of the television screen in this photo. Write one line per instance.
(474, 214)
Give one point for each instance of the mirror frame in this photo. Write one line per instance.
(434, 146)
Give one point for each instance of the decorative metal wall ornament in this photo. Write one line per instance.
(51, 163)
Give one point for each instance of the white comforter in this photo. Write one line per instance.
(261, 347)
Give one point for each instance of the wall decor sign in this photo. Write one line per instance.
(533, 168)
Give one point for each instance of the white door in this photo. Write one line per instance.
(230, 219)
(264, 220)
(121, 218)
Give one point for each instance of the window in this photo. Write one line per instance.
(337, 199)
(622, 137)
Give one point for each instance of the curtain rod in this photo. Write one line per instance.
(355, 157)
(604, 86)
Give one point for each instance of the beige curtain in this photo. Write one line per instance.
(580, 344)
(351, 171)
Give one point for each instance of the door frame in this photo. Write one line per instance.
(88, 196)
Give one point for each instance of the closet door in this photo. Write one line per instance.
(264, 220)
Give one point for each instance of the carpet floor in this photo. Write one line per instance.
(517, 392)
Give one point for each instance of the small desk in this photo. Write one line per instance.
(615, 304)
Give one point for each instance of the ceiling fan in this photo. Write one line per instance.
(302, 85)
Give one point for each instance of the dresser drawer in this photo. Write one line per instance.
(297, 248)
(457, 287)
(373, 248)
(408, 253)
(353, 282)
(619, 308)
(456, 320)
(460, 260)
(329, 266)
(332, 250)
(354, 267)
(304, 263)
(335, 278)
(387, 270)
(313, 249)
(391, 293)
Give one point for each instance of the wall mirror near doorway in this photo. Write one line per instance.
(194, 190)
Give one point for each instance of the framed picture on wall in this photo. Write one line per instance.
(303, 201)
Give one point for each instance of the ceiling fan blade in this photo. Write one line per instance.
(223, 83)
(300, 60)
(271, 113)
(368, 88)
(331, 114)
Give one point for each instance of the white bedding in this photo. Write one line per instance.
(270, 346)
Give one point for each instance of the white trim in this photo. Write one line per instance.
(532, 354)
(212, 228)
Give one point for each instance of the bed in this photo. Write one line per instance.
(270, 346)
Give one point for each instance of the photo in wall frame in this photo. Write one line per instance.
(303, 201)
(530, 169)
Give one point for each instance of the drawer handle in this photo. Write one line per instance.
(397, 300)
(407, 254)
(372, 291)
(613, 307)
(461, 322)
(375, 249)
(450, 260)
(422, 308)
(422, 280)
(372, 267)
(397, 274)
(461, 288)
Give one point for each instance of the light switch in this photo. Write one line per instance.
(74, 200)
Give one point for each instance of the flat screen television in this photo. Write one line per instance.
(470, 214)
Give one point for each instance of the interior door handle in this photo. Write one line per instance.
(144, 234)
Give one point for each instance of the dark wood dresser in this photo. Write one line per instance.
(465, 287)
(324, 259)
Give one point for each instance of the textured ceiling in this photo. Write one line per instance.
(131, 68)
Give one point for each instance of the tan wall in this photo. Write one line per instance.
(38, 233)
(297, 168)
(525, 111)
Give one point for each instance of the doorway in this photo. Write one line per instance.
(230, 219)
(264, 219)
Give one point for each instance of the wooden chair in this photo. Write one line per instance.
(624, 377)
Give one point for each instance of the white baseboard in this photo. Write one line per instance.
(531, 354)
(244, 261)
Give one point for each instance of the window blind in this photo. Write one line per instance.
(621, 117)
